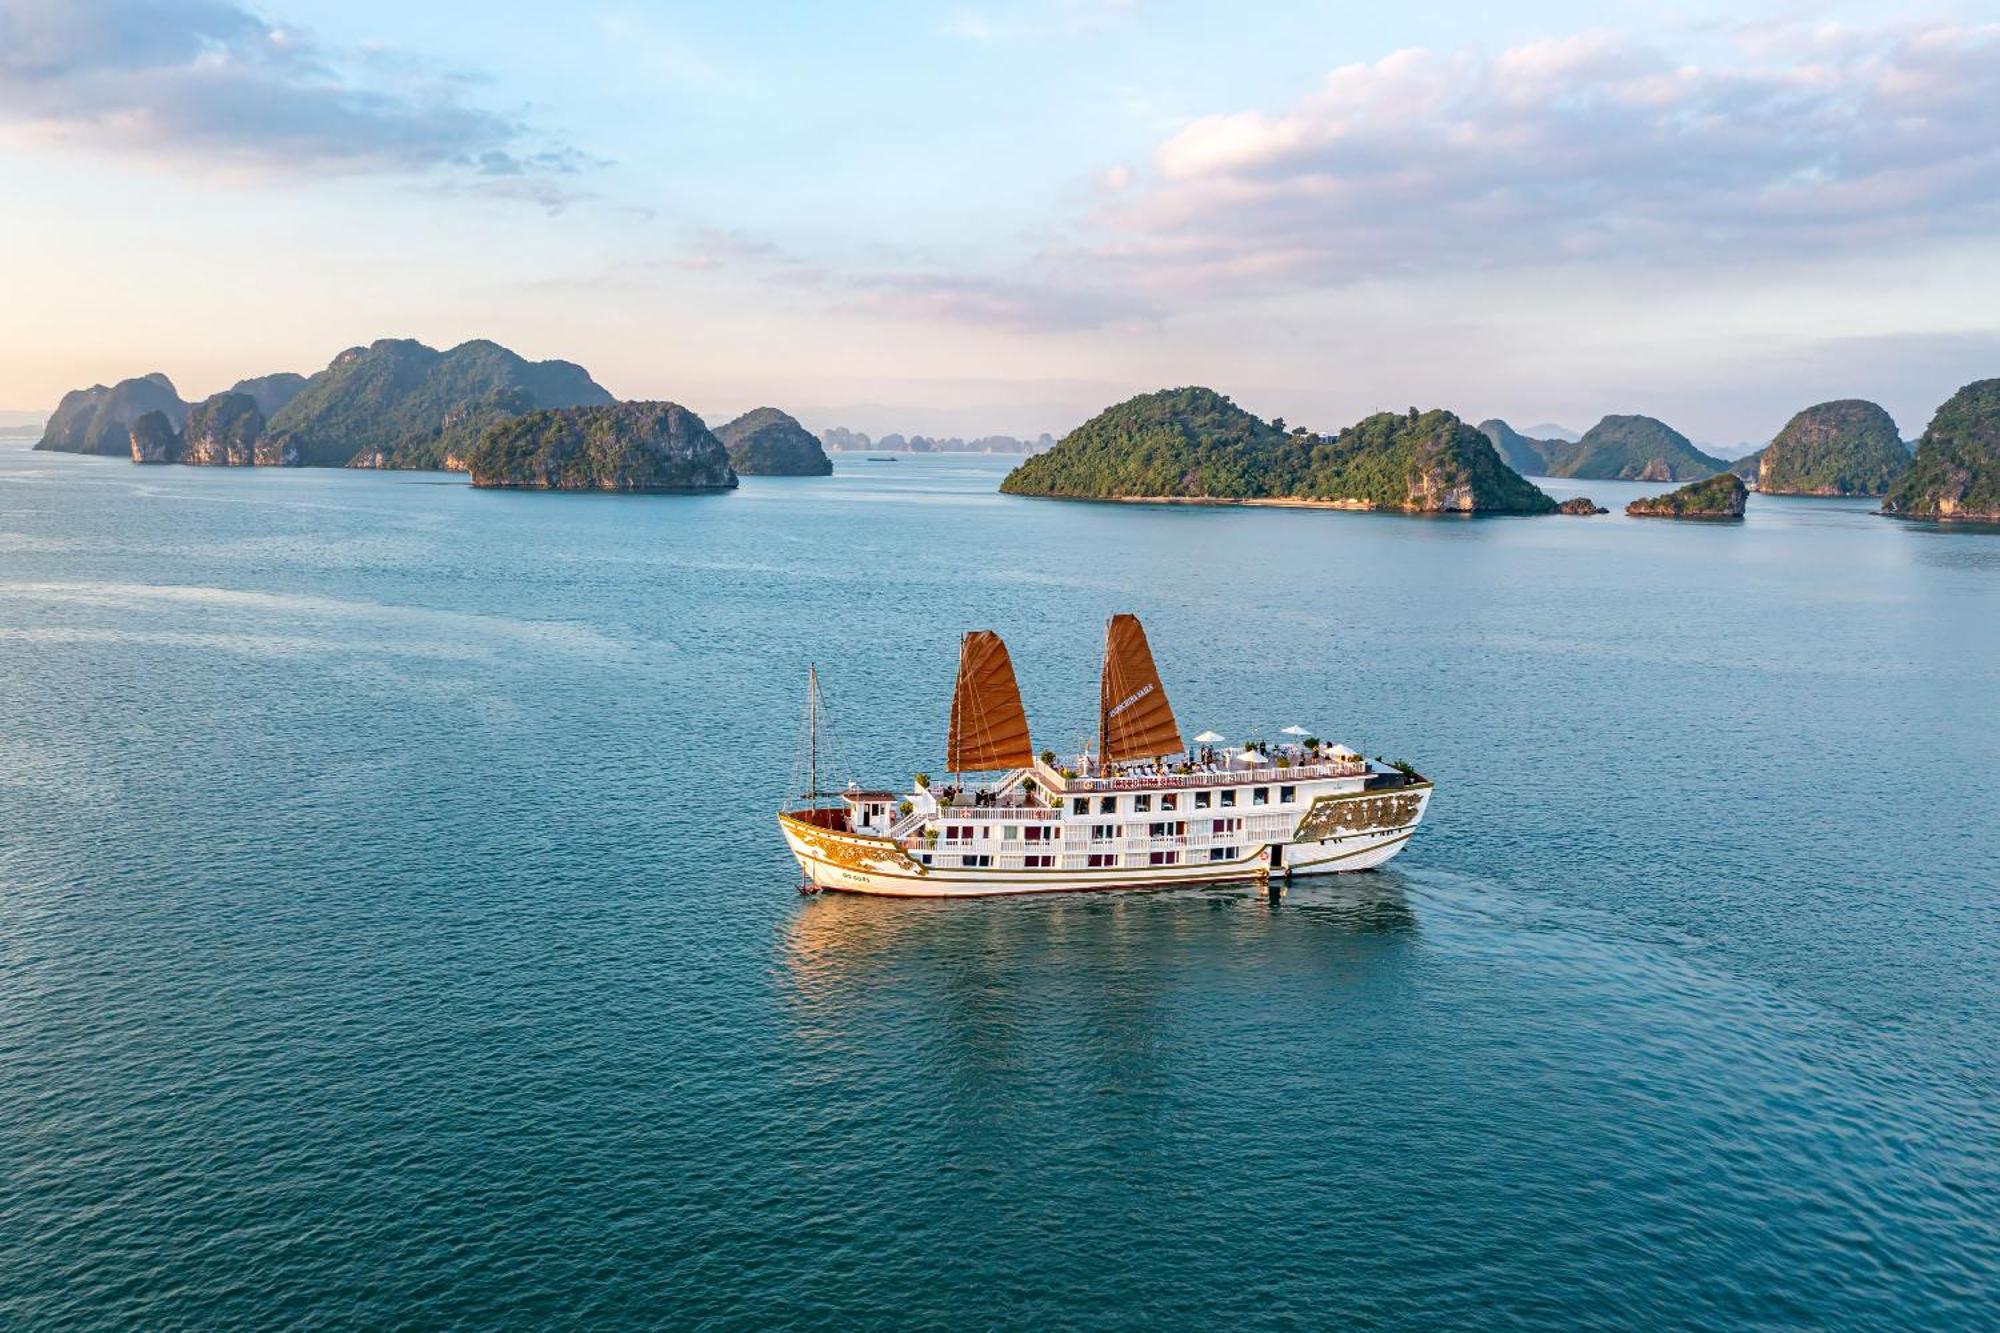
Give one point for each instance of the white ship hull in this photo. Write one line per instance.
(835, 859)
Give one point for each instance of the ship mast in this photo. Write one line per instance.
(812, 732)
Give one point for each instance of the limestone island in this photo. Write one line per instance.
(621, 447)
(1581, 504)
(1194, 446)
(1955, 476)
(1846, 447)
(392, 404)
(1618, 448)
(1721, 496)
(768, 443)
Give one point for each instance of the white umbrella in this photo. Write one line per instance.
(1207, 738)
(1295, 731)
(1342, 752)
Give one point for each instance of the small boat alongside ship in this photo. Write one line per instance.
(1140, 810)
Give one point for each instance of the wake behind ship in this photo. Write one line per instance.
(1140, 811)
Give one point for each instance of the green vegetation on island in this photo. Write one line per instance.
(621, 447)
(397, 403)
(1633, 448)
(1721, 496)
(765, 442)
(1847, 447)
(1956, 472)
(1582, 505)
(1195, 445)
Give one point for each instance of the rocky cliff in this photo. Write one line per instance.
(223, 431)
(767, 442)
(153, 439)
(1194, 445)
(1719, 497)
(1955, 475)
(624, 447)
(99, 420)
(1847, 447)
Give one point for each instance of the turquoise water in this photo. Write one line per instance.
(393, 930)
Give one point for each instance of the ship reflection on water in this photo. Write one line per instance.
(997, 971)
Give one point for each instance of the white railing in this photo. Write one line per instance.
(1217, 777)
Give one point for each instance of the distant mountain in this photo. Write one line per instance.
(1548, 430)
(1846, 447)
(99, 420)
(1956, 472)
(397, 403)
(1529, 456)
(1195, 445)
(767, 442)
(622, 447)
(1634, 448)
(271, 392)
(840, 440)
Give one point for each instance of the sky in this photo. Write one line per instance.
(1003, 216)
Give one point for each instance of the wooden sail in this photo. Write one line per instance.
(989, 728)
(1134, 720)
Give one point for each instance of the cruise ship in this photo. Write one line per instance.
(1141, 810)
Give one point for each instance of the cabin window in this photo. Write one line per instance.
(924, 857)
(1169, 828)
(1222, 853)
(1079, 805)
(1202, 799)
(1038, 862)
(1107, 805)
(1141, 804)
(1100, 860)
(1229, 798)
(1168, 800)
(1260, 796)
(972, 862)
(1103, 832)
(1286, 795)
(1225, 825)
(1166, 858)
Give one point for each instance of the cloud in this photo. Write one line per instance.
(1589, 146)
(213, 83)
(1014, 305)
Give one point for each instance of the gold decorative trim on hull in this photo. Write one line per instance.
(1331, 816)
